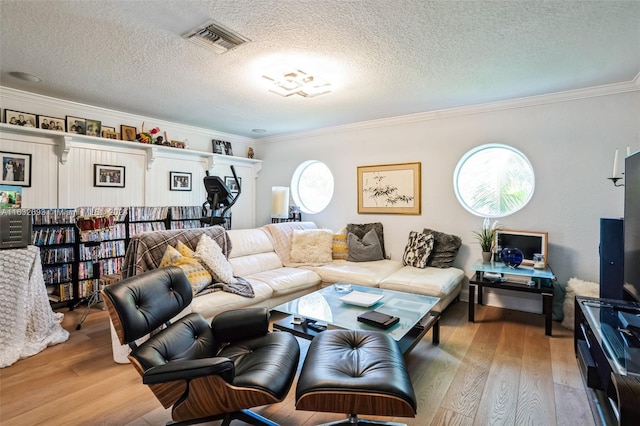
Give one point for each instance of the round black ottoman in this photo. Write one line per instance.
(355, 372)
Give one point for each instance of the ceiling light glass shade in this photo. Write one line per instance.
(297, 83)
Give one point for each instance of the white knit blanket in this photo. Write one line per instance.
(27, 323)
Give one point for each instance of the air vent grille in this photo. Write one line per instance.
(216, 37)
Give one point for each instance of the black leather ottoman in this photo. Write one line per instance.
(355, 372)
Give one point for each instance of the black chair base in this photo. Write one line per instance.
(246, 416)
(353, 420)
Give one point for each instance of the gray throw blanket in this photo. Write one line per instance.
(242, 288)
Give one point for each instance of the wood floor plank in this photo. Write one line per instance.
(78, 383)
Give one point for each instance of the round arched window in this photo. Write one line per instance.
(493, 180)
(312, 186)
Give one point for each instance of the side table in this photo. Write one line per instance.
(523, 279)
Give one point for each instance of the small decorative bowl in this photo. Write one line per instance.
(512, 257)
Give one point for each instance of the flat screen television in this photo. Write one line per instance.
(528, 242)
(632, 226)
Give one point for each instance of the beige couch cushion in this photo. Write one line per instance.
(429, 281)
(248, 242)
(249, 265)
(211, 304)
(287, 280)
(363, 273)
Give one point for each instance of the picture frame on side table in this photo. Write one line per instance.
(19, 118)
(16, 169)
(76, 125)
(128, 133)
(51, 123)
(93, 128)
(390, 189)
(180, 181)
(231, 184)
(108, 176)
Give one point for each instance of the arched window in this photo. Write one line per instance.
(312, 186)
(493, 180)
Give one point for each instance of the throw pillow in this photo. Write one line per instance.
(361, 229)
(198, 276)
(211, 256)
(364, 249)
(311, 246)
(339, 249)
(417, 250)
(576, 287)
(445, 249)
(184, 250)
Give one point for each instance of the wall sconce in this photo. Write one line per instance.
(280, 202)
(614, 178)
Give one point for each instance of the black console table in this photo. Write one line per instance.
(608, 353)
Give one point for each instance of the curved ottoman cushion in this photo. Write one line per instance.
(355, 372)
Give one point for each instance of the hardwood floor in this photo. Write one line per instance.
(501, 370)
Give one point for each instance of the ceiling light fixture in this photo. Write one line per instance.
(297, 82)
(25, 76)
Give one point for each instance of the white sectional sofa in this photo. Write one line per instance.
(257, 256)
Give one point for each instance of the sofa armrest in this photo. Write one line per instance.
(190, 369)
(240, 324)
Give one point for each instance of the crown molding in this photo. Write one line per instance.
(109, 115)
(565, 96)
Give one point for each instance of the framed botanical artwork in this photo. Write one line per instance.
(93, 128)
(108, 176)
(228, 150)
(232, 185)
(128, 133)
(389, 188)
(51, 123)
(16, 168)
(179, 181)
(76, 125)
(18, 118)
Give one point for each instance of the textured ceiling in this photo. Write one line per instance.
(386, 58)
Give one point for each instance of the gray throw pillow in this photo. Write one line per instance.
(360, 229)
(445, 249)
(364, 249)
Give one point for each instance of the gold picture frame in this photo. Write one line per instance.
(390, 189)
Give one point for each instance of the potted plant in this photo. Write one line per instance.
(486, 238)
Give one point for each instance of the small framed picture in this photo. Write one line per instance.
(94, 128)
(227, 148)
(179, 181)
(10, 197)
(108, 176)
(51, 123)
(18, 118)
(76, 125)
(232, 185)
(177, 144)
(218, 146)
(109, 129)
(128, 133)
(16, 169)
(107, 134)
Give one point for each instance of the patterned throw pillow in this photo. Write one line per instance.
(445, 249)
(184, 250)
(198, 276)
(361, 229)
(339, 248)
(364, 249)
(211, 256)
(417, 250)
(311, 246)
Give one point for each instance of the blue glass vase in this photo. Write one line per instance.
(512, 257)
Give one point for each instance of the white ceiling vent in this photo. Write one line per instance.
(216, 37)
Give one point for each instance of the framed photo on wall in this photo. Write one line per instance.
(19, 118)
(76, 125)
(231, 184)
(128, 133)
(16, 168)
(108, 176)
(218, 146)
(93, 128)
(179, 181)
(51, 123)
(228, 150)
(389, 188)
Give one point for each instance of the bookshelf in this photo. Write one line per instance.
(54, 231)
(184, 217)
(146, 219)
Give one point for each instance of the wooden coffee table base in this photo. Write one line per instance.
(431, 321)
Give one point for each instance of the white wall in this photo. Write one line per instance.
(569, 143)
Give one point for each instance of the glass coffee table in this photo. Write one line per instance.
(338, 307)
